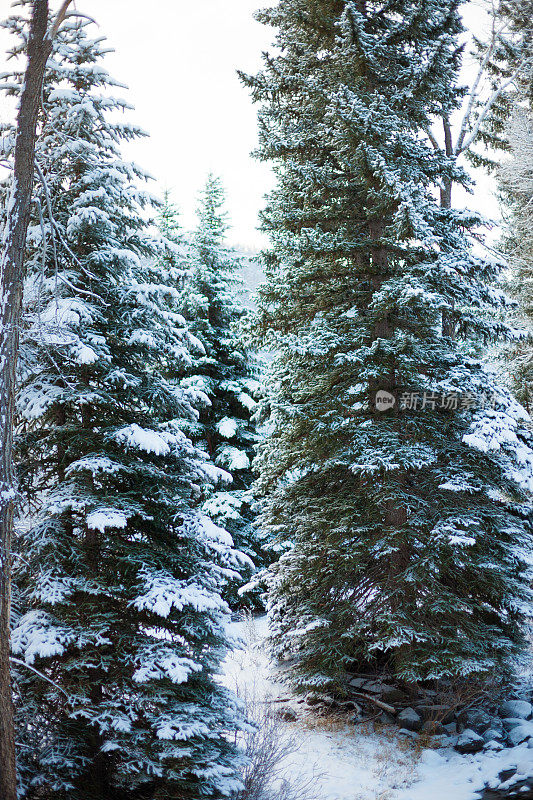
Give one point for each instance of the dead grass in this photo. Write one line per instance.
(394, 760)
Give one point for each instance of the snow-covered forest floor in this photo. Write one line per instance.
(331, 758)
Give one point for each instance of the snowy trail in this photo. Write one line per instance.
(341, 761)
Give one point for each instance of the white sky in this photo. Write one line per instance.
(179, 60)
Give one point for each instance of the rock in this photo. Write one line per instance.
(493, 746)
(512, 722)
(408, 718)
(433, 728)
(387, 719)
(520, 734)
(407, 733)
(505, 774)
(469, 742)
(358, 683)
(476, 719)
(450, 728)
(372, 687)
(391, 694)
(516, 708)
(491, 735)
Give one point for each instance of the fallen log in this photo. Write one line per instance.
(378, 703)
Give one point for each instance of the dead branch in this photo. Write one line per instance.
(379, 703)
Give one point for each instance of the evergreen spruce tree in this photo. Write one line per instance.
(227, 375)
(516, 177)
(517, 183)
(408, 522)
(119, 575)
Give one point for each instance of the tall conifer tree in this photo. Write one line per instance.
(119, 575)
(406, 521)
(517, 182)
(227, 373)
(515, 56)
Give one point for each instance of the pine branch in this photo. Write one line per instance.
(40, 674)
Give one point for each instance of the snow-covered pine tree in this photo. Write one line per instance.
(516, 176)
(406, 522)
(517, 182)
(227, 374)
(119, 574)
(174, 257)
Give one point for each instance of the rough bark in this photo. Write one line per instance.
(11, 283)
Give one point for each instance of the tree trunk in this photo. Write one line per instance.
(395, 515)
(11, 283)
(448, 317)
(446, 188)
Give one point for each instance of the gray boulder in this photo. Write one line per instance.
(408, 718)
(451, 728)
(444, 741)
(476, 719)
(516, 708)
(373, 687)
(493, 746)
(469, 742)
(491, 735)
(512, 722)
(391, 694)
(519, 734)
(358, 683)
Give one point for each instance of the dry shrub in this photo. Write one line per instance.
(272, 744)
(461, 694)
(270, 748)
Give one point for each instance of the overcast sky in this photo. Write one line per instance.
(179, 59)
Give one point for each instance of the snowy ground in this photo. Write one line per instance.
(336, 760)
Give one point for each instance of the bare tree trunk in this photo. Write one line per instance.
(11, 283)
(446, 188)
